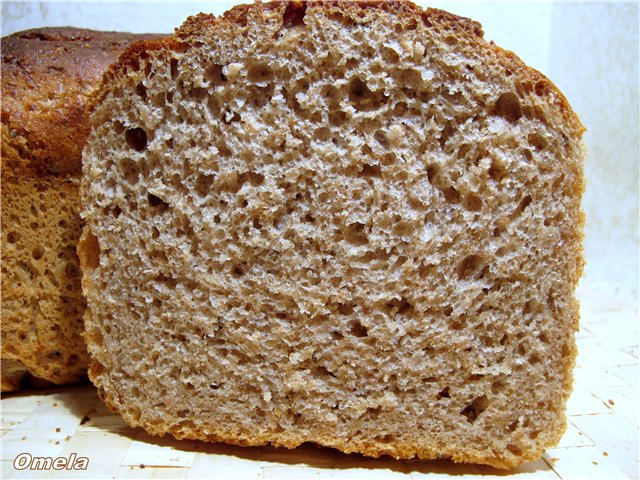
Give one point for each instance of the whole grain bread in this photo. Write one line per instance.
(352, 224)
(47, 76)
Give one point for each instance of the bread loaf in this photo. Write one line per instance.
(352, 224)
(47, 76)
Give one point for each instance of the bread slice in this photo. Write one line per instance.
(352, 224)
(47, 77)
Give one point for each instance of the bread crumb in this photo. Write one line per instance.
(605, 454)
(594, 462)
(331, 272)
(233, 70)
(611, 402)
(58, 429)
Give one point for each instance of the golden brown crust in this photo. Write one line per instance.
(47, 74)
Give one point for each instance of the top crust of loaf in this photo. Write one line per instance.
(435, 18)
(47, 76)
(564, 256)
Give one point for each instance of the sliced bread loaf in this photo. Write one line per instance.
(47, 77)
(353, 224)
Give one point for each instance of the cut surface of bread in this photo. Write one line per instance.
(352, 224)
(47, 77)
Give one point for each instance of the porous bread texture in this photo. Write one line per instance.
(352, 224)
(47, 77)
(42, 301)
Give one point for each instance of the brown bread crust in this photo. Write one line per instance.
(47, 75)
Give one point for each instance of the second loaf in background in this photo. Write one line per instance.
(48, 74)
